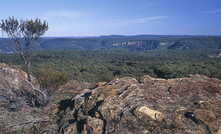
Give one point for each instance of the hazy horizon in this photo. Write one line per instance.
(78, 18)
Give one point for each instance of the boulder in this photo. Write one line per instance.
(16, 89)
(19, 101)
(15, 78)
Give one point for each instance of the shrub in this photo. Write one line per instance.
(51, 78)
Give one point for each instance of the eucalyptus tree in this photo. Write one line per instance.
(24, 34)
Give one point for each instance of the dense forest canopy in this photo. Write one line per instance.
(95, 59)
(96, 66)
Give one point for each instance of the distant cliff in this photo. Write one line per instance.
(133, 43)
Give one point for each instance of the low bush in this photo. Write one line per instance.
(51, 78)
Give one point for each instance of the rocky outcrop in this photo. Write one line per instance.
(14, 87)
(156, 106)
(140, 45)
(122, 106)
(19, 100)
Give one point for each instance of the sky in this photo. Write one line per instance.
(120, 17)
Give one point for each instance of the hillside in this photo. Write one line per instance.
(133, 43)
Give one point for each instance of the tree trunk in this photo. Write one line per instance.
(28, 69)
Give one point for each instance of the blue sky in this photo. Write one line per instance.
(128, 17)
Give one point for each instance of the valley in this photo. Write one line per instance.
(131, 43)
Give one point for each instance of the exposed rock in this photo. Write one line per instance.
(125, 106)
(153, 114)
(216, 55)
(18, 101)
(219, 131)
(137, 44)
(15, 78)
(15, 88)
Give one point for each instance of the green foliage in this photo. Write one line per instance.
(50, 78)
(96, 66)
(24, 29)
(24, 33)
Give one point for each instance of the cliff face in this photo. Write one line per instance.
(125, 106)
(141, 45)
(134, 43)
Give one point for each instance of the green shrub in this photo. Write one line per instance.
(50, 78)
